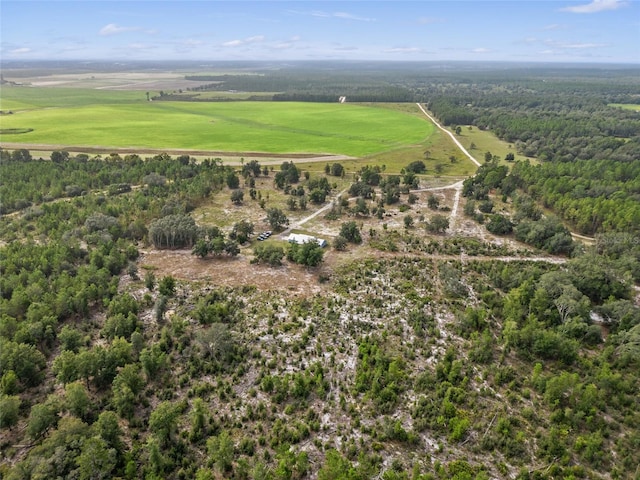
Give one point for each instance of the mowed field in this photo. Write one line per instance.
(105, 118)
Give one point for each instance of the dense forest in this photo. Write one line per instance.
(419, 354)
(589, 150)
(99, 379)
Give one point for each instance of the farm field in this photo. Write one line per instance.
(124, 119)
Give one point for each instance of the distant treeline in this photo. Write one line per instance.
(308, 88)
(590, 151)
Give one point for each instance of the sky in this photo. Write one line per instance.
(600, 31)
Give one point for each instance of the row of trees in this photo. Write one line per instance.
(29, 181)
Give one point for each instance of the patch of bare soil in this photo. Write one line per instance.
(232, 272)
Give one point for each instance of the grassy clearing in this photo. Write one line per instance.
(626, 106)
(485, 141)
(116, 120)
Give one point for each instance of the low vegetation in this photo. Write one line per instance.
(450, 332)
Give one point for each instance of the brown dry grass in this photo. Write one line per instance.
(233, 272)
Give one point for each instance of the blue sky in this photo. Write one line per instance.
(517, 30)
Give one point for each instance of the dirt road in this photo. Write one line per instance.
(455, 140)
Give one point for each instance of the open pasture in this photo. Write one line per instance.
(108, 118)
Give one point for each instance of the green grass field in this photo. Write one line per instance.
(125, 119)
(486, 141)
(626, 106)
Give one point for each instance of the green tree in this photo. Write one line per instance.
(232, 179)
(408, 221)
(77, 400)
(337, 170)
(164, 421)
(26, 361)
(167, 286)
(70, 339)
(220, 450)
(309, 253)
(97, 460)
(173, 231)
(340, 243)
(216, 342)
(241, 231)
(201, 248)
(276, 218)
(150, 280)
(499, 225)
(9, 383)
(269, 254)
(417, 166)
(317, 195)
(107, 427)
(43, 416)
(237, 196)
(438, 224)
(156, 460)
(9, 410)
(199, 420)
(351, 232)
(153, 361)
(125, 387)
(335, 467)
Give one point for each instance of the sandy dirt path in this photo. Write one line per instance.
(455, 140)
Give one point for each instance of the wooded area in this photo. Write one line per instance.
(416, 353)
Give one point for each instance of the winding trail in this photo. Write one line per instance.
(301, 222)
(455, 140)
(454, 210)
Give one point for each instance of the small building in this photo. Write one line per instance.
(300, 238)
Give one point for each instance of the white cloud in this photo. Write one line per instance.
(340, 15)
(583, 45)
(190, 42)
(286, 44)
(349, 16)
(596, 6)
(20, 51)
(574, 46)
(480, 50)
(402, 50)
(246, 41)
(113, 29)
